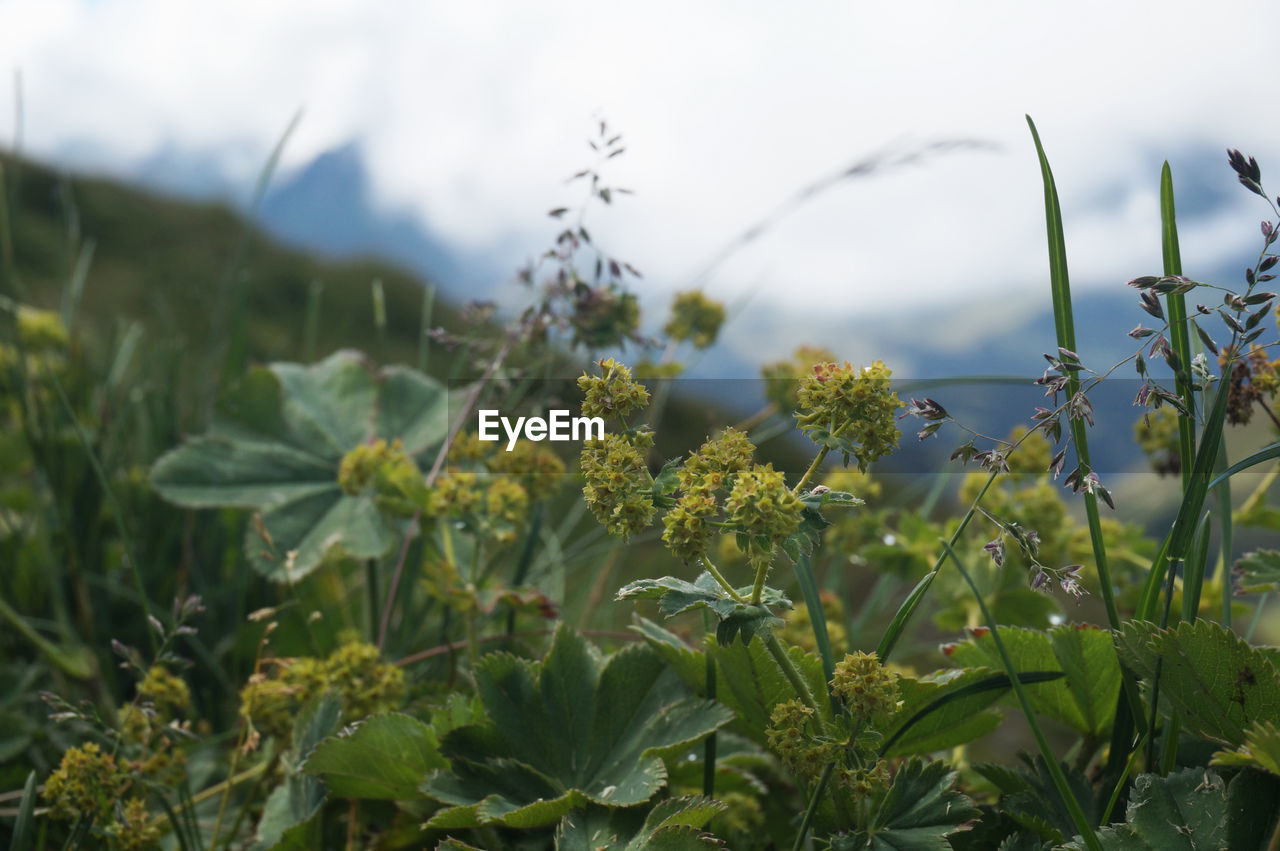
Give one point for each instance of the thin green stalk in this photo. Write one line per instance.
(801, 688)
(371, 599)
(1060, 285)
(1119, 788)
(116, 513)
(424, 329)
(709, 746)
(1051, 760)
(762, 572)
(817, 617)
(1257, 616)
(1179, 331)
(813, 468)
(719, 577)
(380, 318)
(814, 797)
(909, 605)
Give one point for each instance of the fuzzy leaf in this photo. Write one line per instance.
(1085, 698)
(918, 813)
(1257, 572)
(1213, 679)
(736, 619)
(276, 445)
(572, 730)
(385, 756)
(1261, 749)
(673, 824)
(1186, 811)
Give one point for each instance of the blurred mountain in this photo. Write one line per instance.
(327, 207)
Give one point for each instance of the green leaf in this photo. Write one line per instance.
(1257, 572)
(1085, 698)
(736, 619)
(1032, 798)
(385, 756)
(290, 816)
(674, 824)
(1261, 749)
(918, 813)
(1186, 811)
(276, 445)
(1215, 682)
(948, 708)
(1253, 808)
(572, 730)
(22, 825)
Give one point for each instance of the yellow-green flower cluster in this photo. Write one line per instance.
(792, 736)
(41, 330)
(168, 693)
(613, 393)
(367, 686)
(695, 317)
(506, 501)
(456, 494)
(687, 531)
(763, 508)
(87, 783)
(868, 688)
(388, 471)
(865, 781)
(619, 489)
(538, 468)
(136, 829)
(852, 409)
(716, 461)
(1033, 456)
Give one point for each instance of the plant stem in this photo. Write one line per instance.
(814, 798)
(813, 468)
(719, 577)
(1051, 760)
(762, 572)
(779, 654)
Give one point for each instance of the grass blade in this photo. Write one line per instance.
(1078, 817)
(1179, 332)
(26, 810)
(1060, 285)
(817, 617)
(1266, 453)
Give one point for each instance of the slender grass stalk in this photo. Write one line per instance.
(1051, 760)
(1065, 325)
(117, 514)
(1119, 787)
(709, 746)
(380, 318)
(22, 825)
(789, 670)
(1179, 331)
(817, 617)
(899, 623)
(719, 577)
(424, 329)
(814, 797)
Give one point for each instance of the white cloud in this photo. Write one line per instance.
(472, 113)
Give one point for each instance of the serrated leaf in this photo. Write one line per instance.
(276, 445)
(572, 730)
(1186, 811)
(948, 708)
(918, 813)
(384, 756)
(1261, 749)
(1085, 698)
(290, 815)
(1257, 572)
(735, 619)
(1212, 678)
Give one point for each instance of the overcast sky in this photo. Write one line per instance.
(471, 114)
